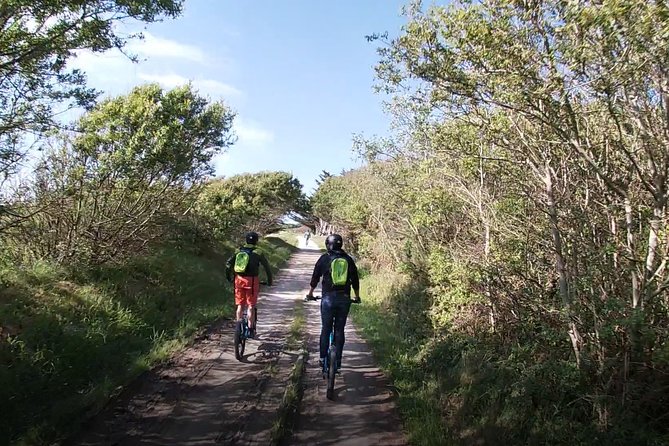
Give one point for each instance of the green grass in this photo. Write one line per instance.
(68, 340)
(389, 332)
(453, 390)
(319, 240)
(295, 338)
(289, 236)
(292, 395)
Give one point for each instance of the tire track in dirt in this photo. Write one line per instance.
(204, 395)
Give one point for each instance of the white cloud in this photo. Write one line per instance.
(103, 62)
(251, 134)
(205, 86)
(111, 71)
(152, 46)
(166, 80)
(113, 61)
(215, 87)
(249, 152)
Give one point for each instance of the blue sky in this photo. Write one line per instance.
(299, 74)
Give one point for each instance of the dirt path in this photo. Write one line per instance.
(301, 243)
(204, 395)
(363, 411)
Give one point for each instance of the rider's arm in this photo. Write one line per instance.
(268, 269)
(316, 276)
(355, 279)
(228, 268)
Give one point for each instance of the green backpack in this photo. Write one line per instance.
(339, 271)
(242, 261)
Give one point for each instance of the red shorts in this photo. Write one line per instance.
(247, 290)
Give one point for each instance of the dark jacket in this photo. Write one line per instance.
(322, 269)
(253, 269)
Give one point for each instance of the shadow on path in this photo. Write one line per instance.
(204, 395)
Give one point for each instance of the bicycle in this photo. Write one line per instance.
(243, 332)
(330, 363)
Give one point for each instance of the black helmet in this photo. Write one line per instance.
(252, 238)
(334, 242)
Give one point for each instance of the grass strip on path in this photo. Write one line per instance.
(293, 394)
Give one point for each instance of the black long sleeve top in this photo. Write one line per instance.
(322, 269)
(257, 259)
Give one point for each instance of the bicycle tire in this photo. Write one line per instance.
(240, 342)
(332, 371)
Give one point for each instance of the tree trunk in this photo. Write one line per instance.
(630, 251)
(653, 241)
(561, 266)
(486, 245)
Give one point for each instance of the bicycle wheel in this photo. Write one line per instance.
(332, 371)
(240, 340)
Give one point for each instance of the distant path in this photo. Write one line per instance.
(311, 246)
(205, 396)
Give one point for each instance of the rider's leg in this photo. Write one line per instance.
(253, 301)
(326, 324)
(341, 305)
(240, 296)
(252, 323)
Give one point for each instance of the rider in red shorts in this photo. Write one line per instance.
(245, 265)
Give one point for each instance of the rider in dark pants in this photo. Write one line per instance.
(336, 301)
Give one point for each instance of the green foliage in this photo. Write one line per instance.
(257, 201)
(470, 389)
(525, 191)
(105, 266)
(454, 293)
(69, 339)
(137, 160)
(391, 300)
(151, 135)
(37, 38)
(339, 201)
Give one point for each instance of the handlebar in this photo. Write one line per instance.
(308, 298)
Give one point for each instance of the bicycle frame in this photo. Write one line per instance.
(245, 315)
(243, 330)
(331, 347)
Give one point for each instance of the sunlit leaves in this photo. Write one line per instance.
(37, 38)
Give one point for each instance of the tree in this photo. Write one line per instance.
(324, 175)
(37, 38)
(134, 163)
(257, 201)
(528, 173)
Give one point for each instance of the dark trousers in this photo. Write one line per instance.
(337, 307)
